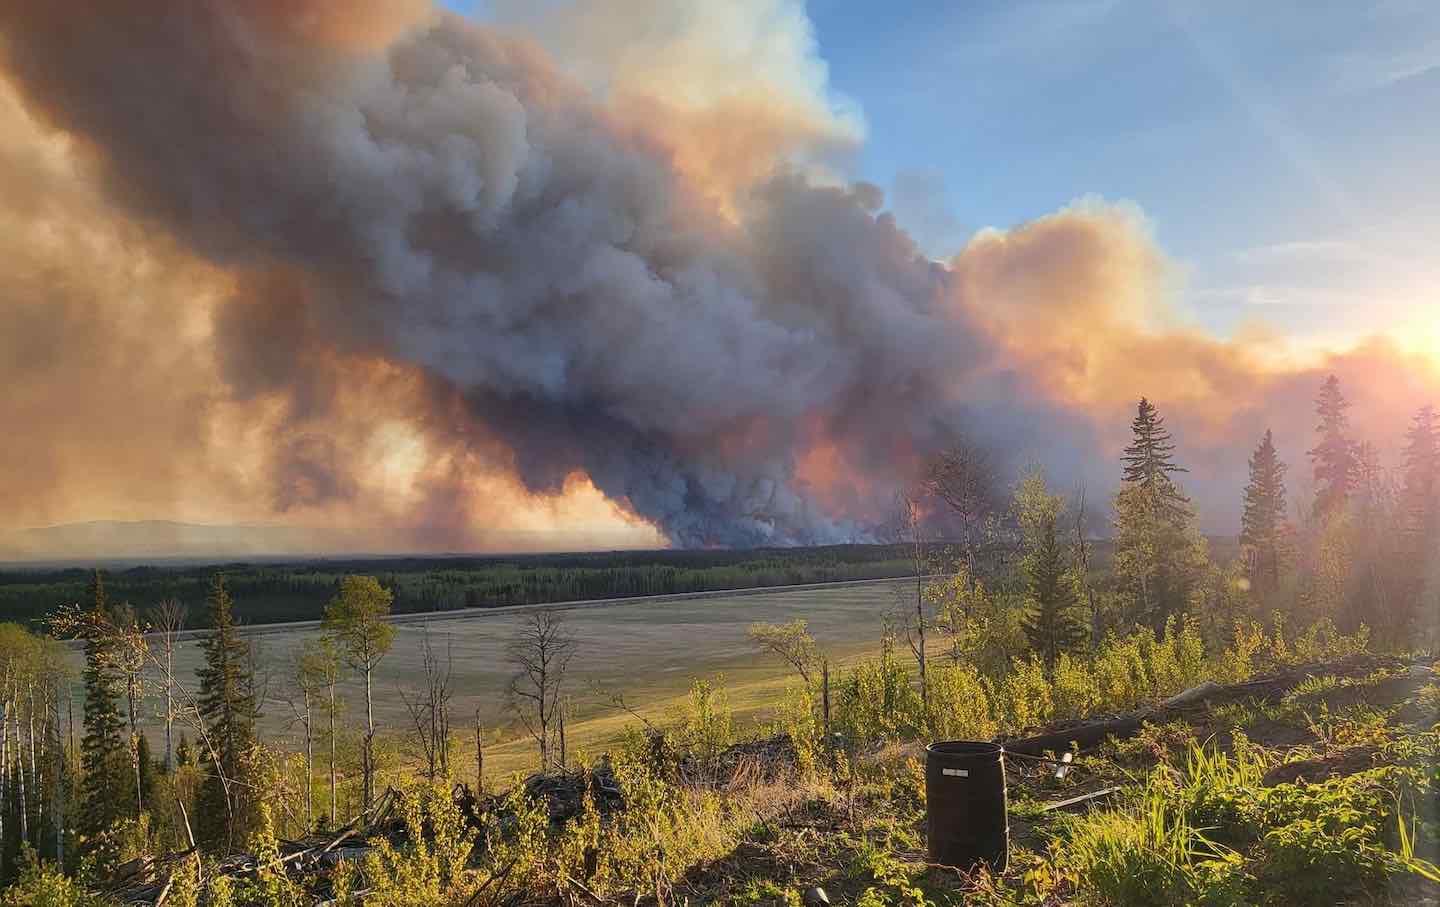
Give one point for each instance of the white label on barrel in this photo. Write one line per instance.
(956, 772)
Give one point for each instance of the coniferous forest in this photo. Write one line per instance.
(1301, 766)
(270, 592)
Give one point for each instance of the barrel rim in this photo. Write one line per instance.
(963, 748)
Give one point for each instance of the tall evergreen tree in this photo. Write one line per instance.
(1374, 593)
(228, 707)
(107, 791)
(1422, 483)
(1160, 556)
(1150, 461)
(1333, 458)
(1420, 521)
(146, 761)
(1263, 526)
(1053, 624)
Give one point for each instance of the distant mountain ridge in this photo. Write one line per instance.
(122, 540)
(150, 538)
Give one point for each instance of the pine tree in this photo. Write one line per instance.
(1160, 556)
(107, 791)
(182, 751)
(228, 708)
(1053, 624)
(1263, 524)
(1333, 458)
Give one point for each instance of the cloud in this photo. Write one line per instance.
(1361, 71)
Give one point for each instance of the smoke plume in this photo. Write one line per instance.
(306, 262)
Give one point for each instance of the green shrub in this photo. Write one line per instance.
(878, 701)
(1023, 697)
(704, 724)
(428, 869)
(42, 885)
(959, 704)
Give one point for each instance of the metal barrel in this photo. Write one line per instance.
(965, 806)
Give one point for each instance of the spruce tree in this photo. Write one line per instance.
(1160, 556)
(1420, 520)
(1365, 559)
(1263, 524)
(108, 789)
(1149, 460)
(1422, 483)
(1053, 624)
(1333, 458)
(228, 708)
(146, 762)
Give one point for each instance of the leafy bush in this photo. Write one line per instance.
(43, 885)
(704, 722)
(428, 869)
(1023, 697)
(959, 704)
(877, 701)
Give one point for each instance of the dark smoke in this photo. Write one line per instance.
(462, 207)
(436, 218)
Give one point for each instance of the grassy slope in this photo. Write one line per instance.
(1288, 840)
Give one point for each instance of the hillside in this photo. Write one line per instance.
(1308, 785)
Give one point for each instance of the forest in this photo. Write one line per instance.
(1313, 783)
(271, 592)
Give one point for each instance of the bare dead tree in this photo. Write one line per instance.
(560, 724)
(429, 709)
(479, 754)
(540, 653)
(908, 528)
(965, 478)
(1082, 553)
(131, 654)
(58, 751)
(168, 618)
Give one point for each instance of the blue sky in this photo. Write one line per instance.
(1285, 151)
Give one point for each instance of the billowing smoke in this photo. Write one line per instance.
(398, 267)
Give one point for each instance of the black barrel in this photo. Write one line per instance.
(965, 807)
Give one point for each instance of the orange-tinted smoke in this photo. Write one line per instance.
(782, 366)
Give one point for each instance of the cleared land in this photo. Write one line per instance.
(647, 651)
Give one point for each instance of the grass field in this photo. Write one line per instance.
(648, 651)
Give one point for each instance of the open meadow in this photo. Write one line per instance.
(648, 651)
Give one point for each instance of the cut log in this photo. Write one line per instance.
(1269, 688)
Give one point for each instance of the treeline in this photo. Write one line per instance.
(268, 593)
(1357, 557)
